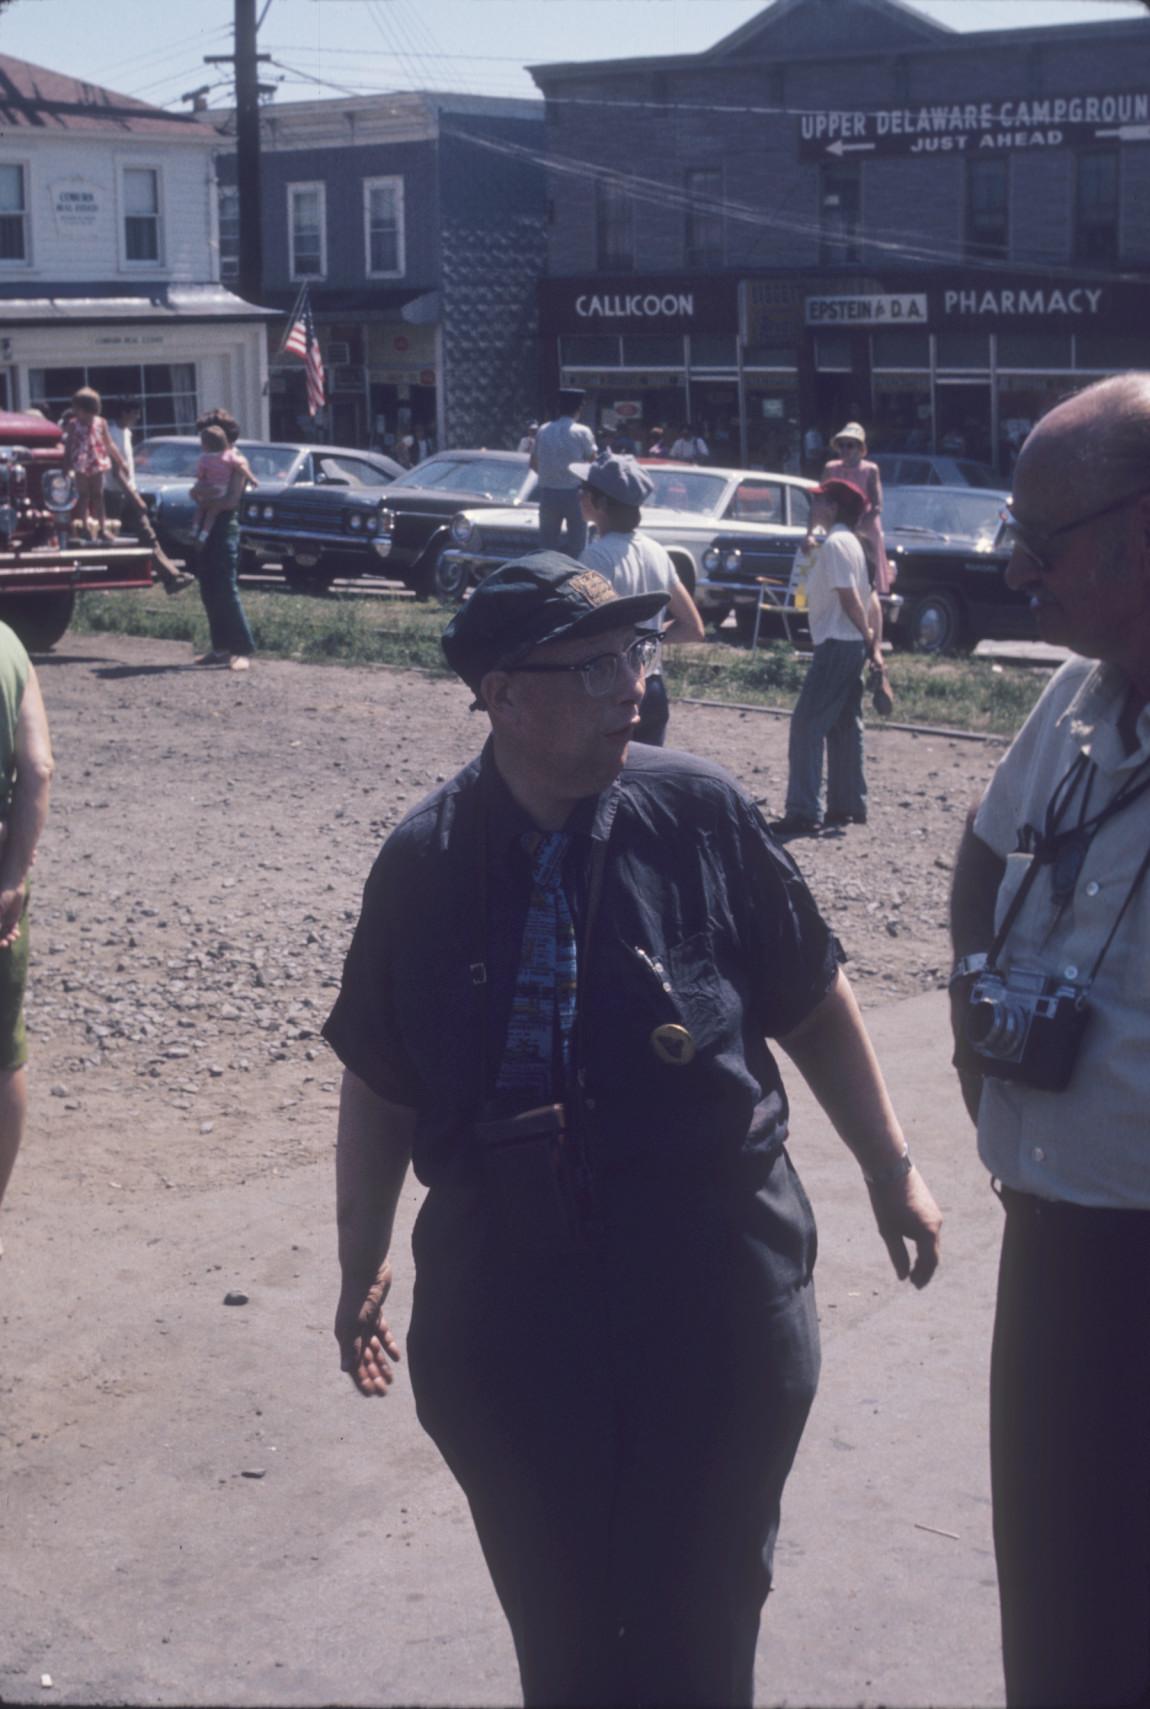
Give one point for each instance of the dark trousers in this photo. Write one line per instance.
(561, 524)
(828, 713)
(1070, 1454)
(217, 568)
(654, 714)
(622, 1424)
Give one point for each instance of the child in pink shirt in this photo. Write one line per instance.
(214, 473)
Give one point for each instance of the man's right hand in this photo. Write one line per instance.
(368, 1349)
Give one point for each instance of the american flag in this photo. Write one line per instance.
(301, 341)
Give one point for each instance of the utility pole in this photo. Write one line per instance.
(246, 61)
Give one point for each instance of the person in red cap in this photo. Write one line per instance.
(846, 628)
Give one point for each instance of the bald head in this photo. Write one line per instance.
(1095, 445)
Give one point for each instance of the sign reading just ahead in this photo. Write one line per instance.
(975, 127)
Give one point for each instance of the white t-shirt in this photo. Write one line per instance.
(632, 563)
(689, 450)
(558, 444)
(121, 438)
(839, 562)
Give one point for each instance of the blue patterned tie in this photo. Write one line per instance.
(543, 1008)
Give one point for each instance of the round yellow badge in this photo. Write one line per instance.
(673, 1044)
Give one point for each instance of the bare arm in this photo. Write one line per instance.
(684, 623)
(834, 1055)
(30, 795)
(373, 1150)
(978, 872)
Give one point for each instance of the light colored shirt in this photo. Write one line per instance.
(558, 444)
(839, 562)
(633, 563)
(1091, 1143)
(689, 450)
(121, 438)
(14, 668)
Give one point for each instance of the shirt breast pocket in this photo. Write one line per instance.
(681, 988)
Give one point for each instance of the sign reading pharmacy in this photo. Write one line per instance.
(975, 127)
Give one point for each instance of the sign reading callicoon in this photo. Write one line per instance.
(975, 127)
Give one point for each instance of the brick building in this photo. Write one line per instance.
(844, 210)
(108, 265)
(417, 222)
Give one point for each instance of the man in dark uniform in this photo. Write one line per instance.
(556, 1004)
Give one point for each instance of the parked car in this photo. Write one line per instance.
(949, 556)
(421, 506)
(925, 469)
(682, 514)
(166, 472)
(40, 573)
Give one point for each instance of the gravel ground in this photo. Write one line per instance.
(201, 873)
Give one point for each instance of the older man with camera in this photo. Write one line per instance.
(1051, 1006)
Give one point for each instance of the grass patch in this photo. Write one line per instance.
(961, 693)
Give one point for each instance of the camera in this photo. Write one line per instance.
(1026, 1026)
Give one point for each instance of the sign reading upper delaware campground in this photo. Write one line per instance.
(975, 127)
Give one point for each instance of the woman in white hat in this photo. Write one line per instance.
(852, 464)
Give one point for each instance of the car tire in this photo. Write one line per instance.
(313, 579)
(933, 622)
(39, 619)
(449, 579)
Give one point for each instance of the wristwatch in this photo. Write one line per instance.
(965, 966)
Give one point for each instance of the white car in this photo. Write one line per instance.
(684, 513)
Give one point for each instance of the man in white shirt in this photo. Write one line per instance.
(612, 490)
(1051, 887)
(846, 629)
(689, 447)
(558, 444)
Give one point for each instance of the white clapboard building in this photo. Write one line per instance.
(109, 259)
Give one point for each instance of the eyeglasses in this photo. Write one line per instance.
(1037, 543)
(601, 673)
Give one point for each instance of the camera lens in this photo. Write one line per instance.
(996, 1028)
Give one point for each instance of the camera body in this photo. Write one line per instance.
(1027, 1026)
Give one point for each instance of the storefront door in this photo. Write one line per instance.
(963, 418)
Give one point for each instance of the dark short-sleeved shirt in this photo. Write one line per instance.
(702, 922)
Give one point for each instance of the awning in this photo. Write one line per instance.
(81, 306)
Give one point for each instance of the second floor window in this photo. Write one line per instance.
(840, 214)
(306, 228)
(141, 186)
(614, 228)
(1096, 205)
(987, 209)
(229, 206)
(704, 233)
(13, 214)
(383, 225)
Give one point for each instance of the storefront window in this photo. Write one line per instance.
(987, 209)
(713, 350)
(1096, 205)
(648, 350)
(589, 351)
(1035, 350)
(833, 353)
(901, 419)
(166, 392)
(963, 350)
(901, 349)
(1021, 403)
(1112, 352)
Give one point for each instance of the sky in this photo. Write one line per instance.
(153, 50)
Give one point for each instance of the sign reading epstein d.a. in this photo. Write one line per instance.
(904, 310)
(976, 127)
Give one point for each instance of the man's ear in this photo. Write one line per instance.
(494, 693)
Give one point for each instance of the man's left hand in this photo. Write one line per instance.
(905, 1211)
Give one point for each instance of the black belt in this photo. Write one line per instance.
(1036, 1208)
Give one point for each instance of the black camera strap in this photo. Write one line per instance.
(1054, 846)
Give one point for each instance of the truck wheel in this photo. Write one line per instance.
(39, 619)
(933, 622)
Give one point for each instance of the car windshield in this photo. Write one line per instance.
(493, 477)
(975, 475)
(686, 489)
(945, 514)
(166, 457)
(178, 458)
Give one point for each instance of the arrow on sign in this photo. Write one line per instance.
(853, 147)
(1128, 133)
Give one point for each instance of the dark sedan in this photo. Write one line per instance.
(166, 472)
(950, 571)
(422, 504)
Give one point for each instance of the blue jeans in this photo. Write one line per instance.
(561, 513)
(829, 710)
(217, 567)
